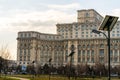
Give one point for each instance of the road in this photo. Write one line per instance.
(19, 78)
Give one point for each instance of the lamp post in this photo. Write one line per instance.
(33, 62)
(107, 25)
(50, 67)
(72, 48)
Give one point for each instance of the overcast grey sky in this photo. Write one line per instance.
(43, 15)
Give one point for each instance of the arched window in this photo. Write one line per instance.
(101, 46)
(83, 46)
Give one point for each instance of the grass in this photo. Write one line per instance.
(7, 78)
(58, 77)
(65, 78)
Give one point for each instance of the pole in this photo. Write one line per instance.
(50, 67)
(49, 70)
(109, 54)
(70, 66)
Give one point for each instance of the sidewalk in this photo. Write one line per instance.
(19, 78)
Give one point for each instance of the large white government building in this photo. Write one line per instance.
(90, 48)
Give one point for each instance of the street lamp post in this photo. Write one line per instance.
(50, 67)
(72, 48)
(33, 63)
(107, 25)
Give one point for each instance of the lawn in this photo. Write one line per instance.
(57, 77)
(7, 78)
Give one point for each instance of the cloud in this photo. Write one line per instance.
(33, 23)
(43, 21)
(65, 7)
(37, 19)
(115, 12)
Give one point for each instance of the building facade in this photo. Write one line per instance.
(90, 48)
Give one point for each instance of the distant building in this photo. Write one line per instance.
(90, 48)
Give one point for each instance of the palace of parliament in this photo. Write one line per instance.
(90, 48)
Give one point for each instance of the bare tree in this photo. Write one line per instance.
(4, 52)
(4, 58)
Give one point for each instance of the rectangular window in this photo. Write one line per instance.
(83, 60)
(113, 34)
(92, 52)
(88, 59)
(115, 53)
(92, 60)
(88, 53)
(79, 59)
(118, 34)
(101, 52)
(115, 59)
(21, 35)
(82, 32)
(79, 52)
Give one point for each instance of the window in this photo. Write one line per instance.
(79, 52)
(29, 35)
(118, 34)
(79, 59)
(28, 58)
(82, 32)
(88, 59)
(113, 31)
(92, 60)
(88, 53)
(113, 34)
(20, 58)
(83, 60)
(111, 52)
(20, 51)
(21, 35)
(115, 53)
(116, 46)
(101, 52)
(25, 34)
(115, 59)
(24, 58)
(92, 52)
(28, 52)
(24, 52)
(88, 46)
(83, 46)
(87, 14)
(76, 33)
(101, 46)
(84, 52)
(79, 46)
